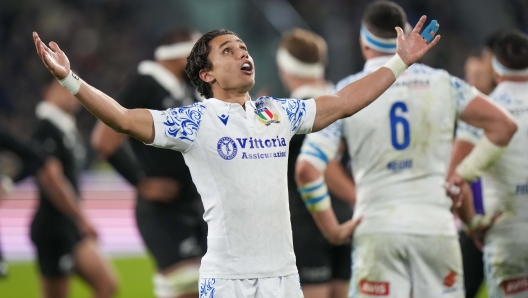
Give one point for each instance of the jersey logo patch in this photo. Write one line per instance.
(514, 286)
(224, 118)
(227, 148)
(266, 116)
(374, 288)
(450, 279)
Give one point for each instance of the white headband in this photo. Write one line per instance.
(385, 45)
(174, 51)
(294, 66)
(502, 70)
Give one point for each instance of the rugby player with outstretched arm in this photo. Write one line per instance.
(406, 244)
(236, 149)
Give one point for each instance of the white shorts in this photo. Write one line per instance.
(506, 267)
(401, 265)
(271, 287)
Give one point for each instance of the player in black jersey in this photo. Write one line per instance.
(324, 269)
(63, 249)
(48, 173)
(168, 209)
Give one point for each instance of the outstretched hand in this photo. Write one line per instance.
(411, 48)
(53, 57)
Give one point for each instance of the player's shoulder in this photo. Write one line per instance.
(270, 101)
(422, 69)
(194, 111)
(267, 100)
(350, 79)
(287, 104)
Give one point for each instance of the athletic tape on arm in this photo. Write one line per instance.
(317, 155)
(71, 82)
(481, 158)
(315, 195)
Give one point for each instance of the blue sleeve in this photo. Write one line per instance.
(177, 128)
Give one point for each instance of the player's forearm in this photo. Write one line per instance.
(137, 123)
(352, 98)
(327, 223)
(361, 93)
(58, 189)
(460, 150)
(466, 212)
(339, 183)
(103, 107)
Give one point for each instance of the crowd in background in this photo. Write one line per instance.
(106, 39)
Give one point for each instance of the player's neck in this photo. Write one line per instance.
(232, 96)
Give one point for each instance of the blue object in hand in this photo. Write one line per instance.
(433, 26)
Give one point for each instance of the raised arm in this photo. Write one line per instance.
(361, 93)
(137, 123)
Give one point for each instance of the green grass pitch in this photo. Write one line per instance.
(134, 274)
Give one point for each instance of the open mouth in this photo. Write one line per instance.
(247, 68)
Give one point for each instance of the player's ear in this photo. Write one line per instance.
(206, 76)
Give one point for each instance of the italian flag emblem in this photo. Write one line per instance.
(266, 116)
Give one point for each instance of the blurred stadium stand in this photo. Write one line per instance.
(108, 201)
(105, 39)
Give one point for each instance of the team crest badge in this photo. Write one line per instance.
(266, 116)
(227, 148)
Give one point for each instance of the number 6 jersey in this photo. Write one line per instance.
(400, 147)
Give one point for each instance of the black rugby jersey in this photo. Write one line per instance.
(67, 146)
(145, 91)
(31, 159)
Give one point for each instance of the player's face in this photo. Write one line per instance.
(233, 67)
(478, 74)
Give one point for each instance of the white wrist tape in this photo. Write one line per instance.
(396, 65)
(71, 82)
(481, 158)
(315, 195)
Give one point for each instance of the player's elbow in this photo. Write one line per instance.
(505, 131)
(511, 127)
(305, 172)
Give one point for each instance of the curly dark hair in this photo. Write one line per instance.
(198, 60)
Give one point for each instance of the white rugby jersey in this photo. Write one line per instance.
(400, 147)
(505, 184)
(238, 161)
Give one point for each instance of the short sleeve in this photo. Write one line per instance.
(462, 92)
(300, 114)
(468, 133)
(177, 128)
(320, 147)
